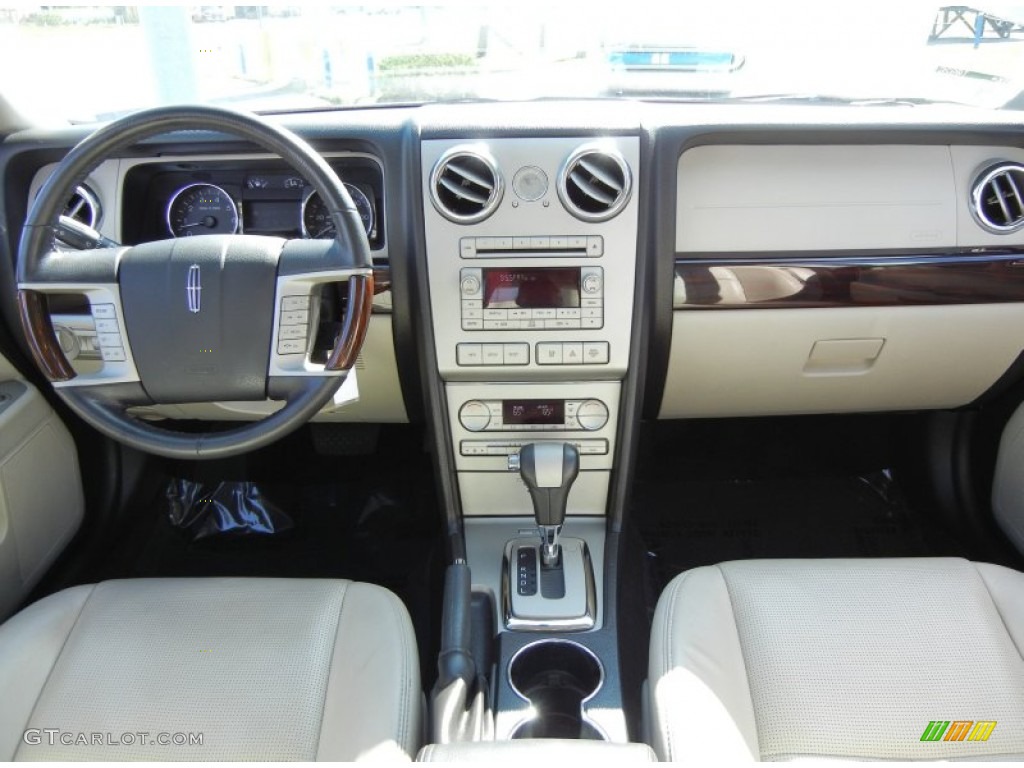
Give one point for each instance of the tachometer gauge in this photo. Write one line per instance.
(316, 221)
(202, 209)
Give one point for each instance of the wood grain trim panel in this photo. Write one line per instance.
(42, 340)
(355, 324)
(800, 283)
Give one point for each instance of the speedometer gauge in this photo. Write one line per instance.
(317, 222)
(202, 209)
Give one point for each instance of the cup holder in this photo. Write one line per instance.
(557, 677)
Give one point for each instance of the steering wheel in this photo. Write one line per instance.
(196, 319)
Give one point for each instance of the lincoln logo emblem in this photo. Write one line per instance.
(193, 289)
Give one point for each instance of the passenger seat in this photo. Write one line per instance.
(877, 659)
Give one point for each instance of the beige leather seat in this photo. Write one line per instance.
(866, 659)
(262, 669)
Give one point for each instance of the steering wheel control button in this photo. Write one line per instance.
(107, 325)
(103, 311)
(474, 416)
(112, 354)
(596, 352)
(109, 339)
(592, 415)
(293, 329)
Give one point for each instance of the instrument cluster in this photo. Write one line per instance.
(250, 197)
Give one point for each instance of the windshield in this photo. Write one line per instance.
(89, 63)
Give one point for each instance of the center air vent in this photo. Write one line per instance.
(996, 200)
(595, 183)
(465, 185)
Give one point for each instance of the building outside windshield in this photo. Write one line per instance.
(91, 63)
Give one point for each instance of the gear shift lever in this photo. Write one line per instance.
(548, 470)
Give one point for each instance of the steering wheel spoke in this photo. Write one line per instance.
(91, 276)
(305, 267)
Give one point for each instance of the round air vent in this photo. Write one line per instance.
(996, 199)
(595, 183)
(465, 185)
(83, 206)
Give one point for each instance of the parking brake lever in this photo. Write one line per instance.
(549, 470)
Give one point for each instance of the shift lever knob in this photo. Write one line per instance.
(548, 470)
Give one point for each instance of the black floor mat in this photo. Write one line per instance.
(708, 492)
(690, 523)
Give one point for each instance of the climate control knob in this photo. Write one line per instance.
(474, 415)
(592, 415)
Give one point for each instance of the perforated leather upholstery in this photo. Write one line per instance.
(262, 669)
(778, 659)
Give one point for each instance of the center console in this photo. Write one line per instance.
(531, 263)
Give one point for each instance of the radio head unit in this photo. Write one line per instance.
(531, 298)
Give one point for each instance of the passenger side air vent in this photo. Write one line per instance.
(595, 183)
(996, 200)
(83, 206)
(465, 185)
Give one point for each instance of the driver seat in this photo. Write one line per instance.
(261, 669)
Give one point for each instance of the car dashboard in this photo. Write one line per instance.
(714, 260)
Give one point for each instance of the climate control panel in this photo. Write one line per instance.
(533, 415)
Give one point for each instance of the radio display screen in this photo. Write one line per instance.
(533, 411)
(532, 288)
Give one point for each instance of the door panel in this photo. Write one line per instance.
(41, 501)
